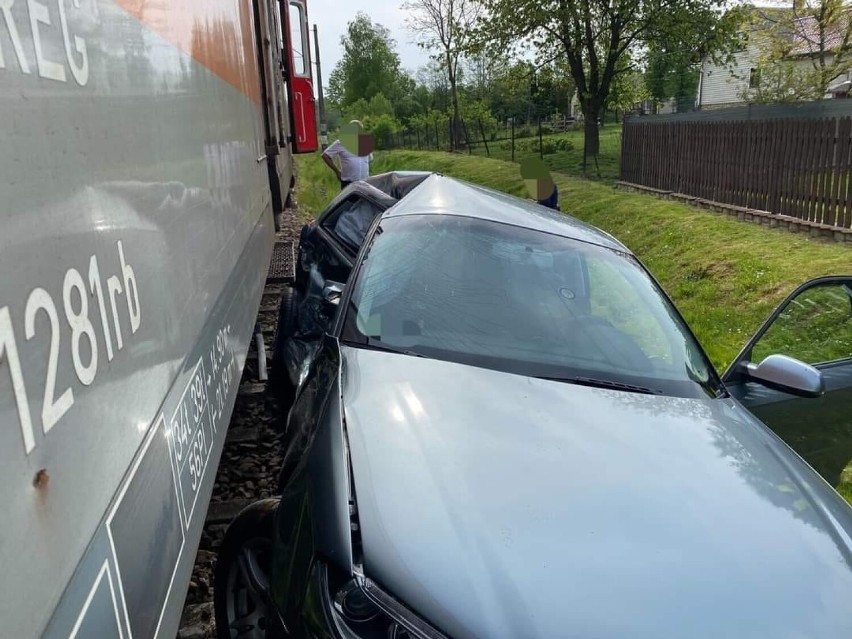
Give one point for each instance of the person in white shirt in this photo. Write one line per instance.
(353, 166)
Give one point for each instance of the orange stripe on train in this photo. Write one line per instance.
(218, 34)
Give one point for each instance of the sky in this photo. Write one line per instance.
(332, 16)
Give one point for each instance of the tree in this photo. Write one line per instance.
(628, 88)
(432, 77)
(477, 114)
(445, 26)
(369, 66)
(423, 98)
(672, 74)
(553, 89)
(674, 54)
(802, 50)
(592, 36)
(510, 97)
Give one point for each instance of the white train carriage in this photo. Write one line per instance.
(145, 146)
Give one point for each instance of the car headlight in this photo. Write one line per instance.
(362, 610)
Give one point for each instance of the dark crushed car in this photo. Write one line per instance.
(327, 250)
(502, 427)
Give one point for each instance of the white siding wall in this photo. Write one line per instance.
(724, 85)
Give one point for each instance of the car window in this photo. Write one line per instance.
(521, 301)
(351, 221)
(616, 301)
(814, 327)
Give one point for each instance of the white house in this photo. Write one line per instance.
(729, 85)
(724, 86)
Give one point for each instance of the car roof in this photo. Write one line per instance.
(397, 184)
(438, 194)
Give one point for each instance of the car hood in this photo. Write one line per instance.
(496, 505)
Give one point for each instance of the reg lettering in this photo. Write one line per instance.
(42, 28)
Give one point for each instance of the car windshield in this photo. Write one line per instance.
(524, 302)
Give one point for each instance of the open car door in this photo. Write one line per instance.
(297, 64)
(813, 325)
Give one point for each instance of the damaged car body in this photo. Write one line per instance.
(502, 427)
(326, 253)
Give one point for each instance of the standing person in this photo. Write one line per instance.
(552, 200)
(354, 154)
(539, 182)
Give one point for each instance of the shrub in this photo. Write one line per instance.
(530, 145)
(563, 144)
(382, 127)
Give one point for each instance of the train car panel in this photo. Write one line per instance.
(135, 228)
(146, 539)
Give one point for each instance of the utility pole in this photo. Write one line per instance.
(322, 122)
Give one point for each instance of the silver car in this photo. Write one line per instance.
(506, 430)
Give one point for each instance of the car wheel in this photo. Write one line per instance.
(279, 379)
(241, 596)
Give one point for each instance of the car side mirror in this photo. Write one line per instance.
(332, 292)
(787, 374)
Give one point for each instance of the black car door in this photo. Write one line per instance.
(340, 231)
(813, 325)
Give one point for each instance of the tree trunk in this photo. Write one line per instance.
(457, 126)
(592, 134)
(454, 95)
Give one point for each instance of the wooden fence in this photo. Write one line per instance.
(795, 167)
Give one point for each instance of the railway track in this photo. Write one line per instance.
(251, 457)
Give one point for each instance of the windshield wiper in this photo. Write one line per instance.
(604, 383)
(376, 345)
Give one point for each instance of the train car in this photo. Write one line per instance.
(145, 149)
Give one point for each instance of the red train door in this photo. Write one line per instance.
(297, 58)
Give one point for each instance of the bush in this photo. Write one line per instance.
(561, 144)
(382, 127)
(549, 146)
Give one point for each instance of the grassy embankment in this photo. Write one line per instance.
(563, 152)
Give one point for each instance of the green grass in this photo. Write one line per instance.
(815, 328)
(570, 162)
(604, 167)
(724, 276)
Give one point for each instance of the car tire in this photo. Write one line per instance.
(279, 379)
(242, 604)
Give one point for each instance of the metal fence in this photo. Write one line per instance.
(797, 165)
(559, 144)
(475, 138)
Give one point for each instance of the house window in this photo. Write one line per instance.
(753, 78)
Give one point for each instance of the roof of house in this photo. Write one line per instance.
(806, 38)
(803, 31)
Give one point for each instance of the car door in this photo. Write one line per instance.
(341, 231)
(297, 64)
(813, 325)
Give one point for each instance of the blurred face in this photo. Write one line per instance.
(540, 189)
(536, 176)
(355, 140)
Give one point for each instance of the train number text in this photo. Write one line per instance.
(86, 340)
